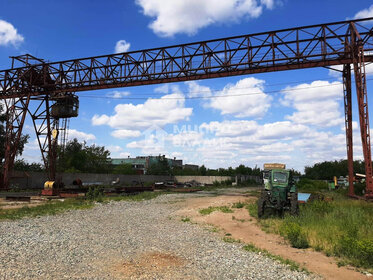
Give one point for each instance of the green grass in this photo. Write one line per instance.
(185, 219)
(209, 210)
(135, 197)
(342, 228)
(291, 264)
(56, 207)
(49, 208)
(238, 205)
(231, 240)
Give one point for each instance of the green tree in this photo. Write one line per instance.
(21, 144)
(202, 170)
(78, 157)
(125, 168)
(22, 165)
(160, 167)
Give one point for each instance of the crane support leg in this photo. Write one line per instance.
(362, 98)
(348, 125)
(16, 110)
(44, 126)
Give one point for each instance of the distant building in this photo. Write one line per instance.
(141, 163)
(190, 166)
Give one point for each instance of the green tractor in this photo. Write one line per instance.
(280, 192)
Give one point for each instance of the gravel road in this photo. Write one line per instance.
(127, 240)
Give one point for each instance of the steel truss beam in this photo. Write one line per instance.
(295, 48)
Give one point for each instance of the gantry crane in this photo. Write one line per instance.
(348, 43)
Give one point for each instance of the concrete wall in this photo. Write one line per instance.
(209, 180)
(37, 179)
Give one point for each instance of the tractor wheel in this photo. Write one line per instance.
(294, 206)
(261, 205)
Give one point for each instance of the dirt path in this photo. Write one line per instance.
(244, 228)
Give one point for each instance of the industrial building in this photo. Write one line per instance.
(142, 163)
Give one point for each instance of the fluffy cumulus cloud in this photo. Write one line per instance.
(364, 13)
(188, 16)
(9, 34)
(122, 46)
(338, 74)
(317, 103)
(246, 98)
(125, 133)
(129, 119)
(118, 94)
(230, 128)
(80, 135)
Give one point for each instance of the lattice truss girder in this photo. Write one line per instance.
(296, 48)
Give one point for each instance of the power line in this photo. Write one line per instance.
(150, 95)
(213, 96)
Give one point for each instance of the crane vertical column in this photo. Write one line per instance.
(16, 110)
(362, 98)
(348, 126)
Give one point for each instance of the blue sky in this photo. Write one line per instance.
(281, 123)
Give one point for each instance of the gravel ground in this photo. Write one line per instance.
(126, 240)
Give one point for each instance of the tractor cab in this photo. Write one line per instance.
(279, 191)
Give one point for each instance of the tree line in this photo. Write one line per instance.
(327, 169)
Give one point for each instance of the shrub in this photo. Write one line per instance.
(95, 193)
(311, 185)
(293, 232)
(361, 251)
(238, 204)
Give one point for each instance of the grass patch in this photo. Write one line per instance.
(238, 205)
(291, 264)
(49, 208)
(185, 219)
(56, 207)
(231, 240)
(238, 220)
(342, 228)
(209, 210)
(135, 197)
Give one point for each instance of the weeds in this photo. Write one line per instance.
(56, 207)
(49, 208)
(238, 205)
(231, 240)
(185, 219)
(209, 210)
(341, 228)
(291, 264)
(294, 233)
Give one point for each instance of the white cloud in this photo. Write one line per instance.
(122, 46)
(366, 13)
(230, 128)
(186, 139)
(9, 35)
(243, 99)
(118, 94)
(196, 90)
(281, 130)
(81, 136)
(188, 16)
(338, 75)
(124, 155)
(125, 133)
(177, 154)
(317, 103)
(129, 119)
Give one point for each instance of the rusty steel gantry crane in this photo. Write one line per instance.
(324, 45)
